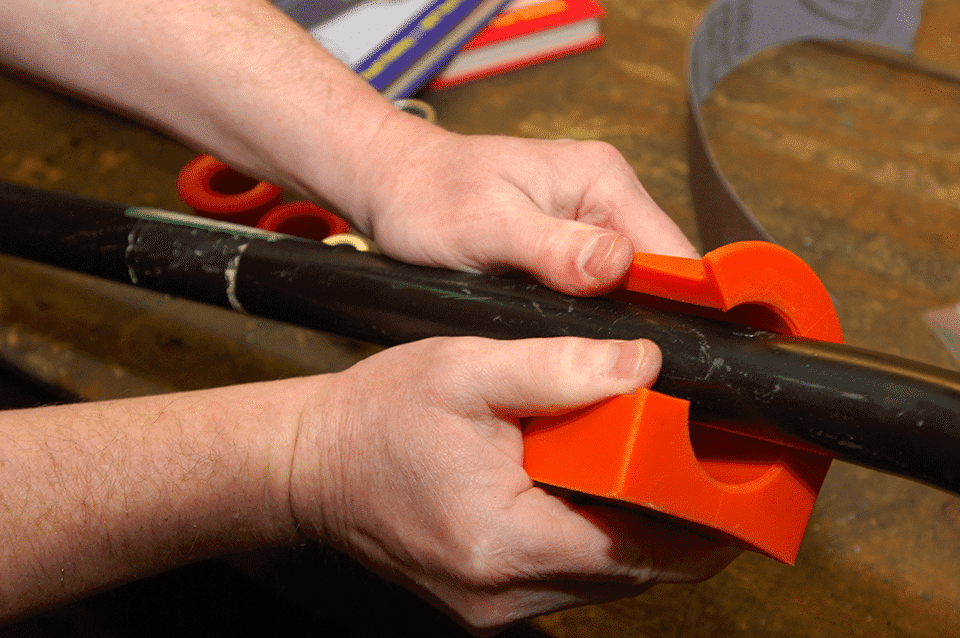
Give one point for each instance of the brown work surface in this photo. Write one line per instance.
(849, 162)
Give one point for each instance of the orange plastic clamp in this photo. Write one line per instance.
(213, 189)
(303, 219)
(641, 450)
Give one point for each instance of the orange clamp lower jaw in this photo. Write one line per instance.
(641, 449)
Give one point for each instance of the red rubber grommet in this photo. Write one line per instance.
(303, 219)
(213, 189)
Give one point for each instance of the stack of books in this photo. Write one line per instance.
(401, 46)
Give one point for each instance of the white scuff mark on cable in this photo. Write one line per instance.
(131, 240)
(230, 274)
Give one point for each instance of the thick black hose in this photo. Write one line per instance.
(882, 412)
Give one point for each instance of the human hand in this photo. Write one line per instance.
(411, 460)
(570, 213)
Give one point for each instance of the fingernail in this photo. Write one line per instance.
(593, 258)
(625, 359)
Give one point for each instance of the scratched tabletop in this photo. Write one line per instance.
(850, 162)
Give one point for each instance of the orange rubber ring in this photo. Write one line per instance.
(213, 189)
(304, 219)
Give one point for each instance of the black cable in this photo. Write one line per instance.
(883, 412)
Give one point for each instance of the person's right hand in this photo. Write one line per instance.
(412, 461)
(570, 213)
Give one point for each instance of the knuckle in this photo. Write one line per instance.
(486, 616)
(552, 364)
(448, 354)
(491, 567)
(454, 370)
(643, 568)
(444, 360)
(578, 358)
(494, 559)
(604, 152)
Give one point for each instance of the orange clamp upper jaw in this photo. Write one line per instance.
(641, 449)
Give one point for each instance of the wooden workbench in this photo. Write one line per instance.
(849, 162)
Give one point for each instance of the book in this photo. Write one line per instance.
(396, 45)
(312, 12)
(527, 32)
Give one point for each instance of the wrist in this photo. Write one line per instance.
(378, 164)
(275, 414)
(326, 445)
(227, 455)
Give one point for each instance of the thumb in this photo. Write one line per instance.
(569, 256)
(530, 377)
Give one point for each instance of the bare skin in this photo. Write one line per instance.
(411, 460)
(238, 79)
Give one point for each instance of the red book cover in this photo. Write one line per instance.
(526, 32)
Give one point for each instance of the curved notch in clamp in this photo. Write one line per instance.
(641, 449)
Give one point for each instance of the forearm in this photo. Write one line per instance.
(95, 494)
(240, 80)
(235, 78)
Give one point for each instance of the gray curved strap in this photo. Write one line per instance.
(731, 31)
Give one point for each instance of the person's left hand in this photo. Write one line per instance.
(570, 213)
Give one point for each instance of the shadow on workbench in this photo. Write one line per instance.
(212, 599)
